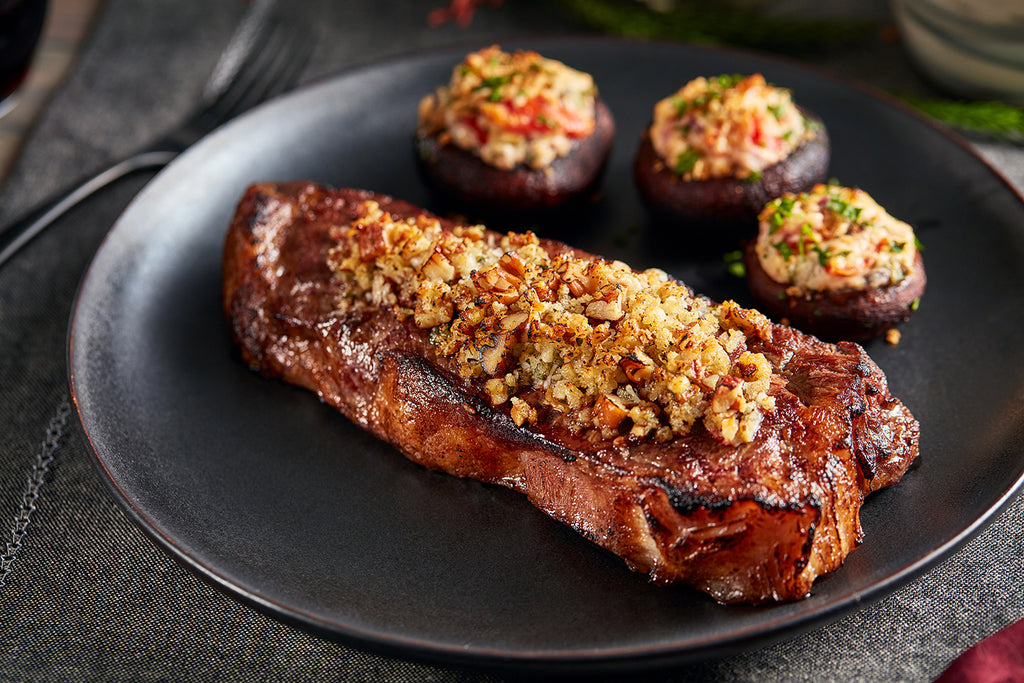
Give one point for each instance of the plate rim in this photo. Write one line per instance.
(626, 658)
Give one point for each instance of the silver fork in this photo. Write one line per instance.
(263, 59)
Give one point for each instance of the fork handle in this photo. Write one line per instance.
(23, 230)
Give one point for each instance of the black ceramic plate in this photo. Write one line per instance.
(273, 496)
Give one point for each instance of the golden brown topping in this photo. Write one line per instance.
(833, 238)
(511, 108)
(728, 126)
(616, 350)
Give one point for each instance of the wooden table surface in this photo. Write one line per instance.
(67, 23)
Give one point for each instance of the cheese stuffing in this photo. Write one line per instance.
(729, 126)
(833, 238)
(511, 108)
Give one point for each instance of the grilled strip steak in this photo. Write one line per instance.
(746, 516)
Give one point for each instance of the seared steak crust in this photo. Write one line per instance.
(750, 523)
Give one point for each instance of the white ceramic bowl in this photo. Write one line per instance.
(974, 48)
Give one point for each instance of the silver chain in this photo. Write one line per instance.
(44, 458)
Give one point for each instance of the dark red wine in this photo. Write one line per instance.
(21, 22)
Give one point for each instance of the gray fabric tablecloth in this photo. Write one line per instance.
(87, 596)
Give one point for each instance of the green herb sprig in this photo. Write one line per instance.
(989, 119)
(718, 22)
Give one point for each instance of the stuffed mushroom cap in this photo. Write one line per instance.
(513, 132)
(720, 148)
(833, 262)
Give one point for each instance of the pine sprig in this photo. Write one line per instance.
(717, 23)
(994, 120)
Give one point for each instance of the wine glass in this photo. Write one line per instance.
(21, 23)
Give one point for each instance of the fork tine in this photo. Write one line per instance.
(249, 33)
(282, 70)
(287, 68)
(272, 67)
(263, 58)
(249, 77)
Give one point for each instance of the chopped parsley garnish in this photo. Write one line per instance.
(734, 263)
(438, 334)
(686, 161)
(754, 177)
(716, 85)
(701, 100)
(776, 110)
(843, 208)
(806, 232)
(784, 249)
(495, 81)
(784, 206)
(728, 80)
(823, 255)
(897, 247)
